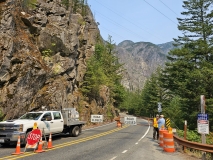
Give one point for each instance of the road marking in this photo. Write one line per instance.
(113, 158)
(124, 151)
(143, 135)
(14, 157)
(98, 126)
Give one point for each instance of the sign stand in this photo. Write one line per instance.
(33, 139)
(43, 132)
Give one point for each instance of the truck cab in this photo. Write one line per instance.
(54, 122)
(47, 121)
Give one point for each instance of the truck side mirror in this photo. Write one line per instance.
(48, 118)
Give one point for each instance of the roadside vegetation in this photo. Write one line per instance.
(103, 69)
(186, 76)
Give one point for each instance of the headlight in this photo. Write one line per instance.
(19, 127)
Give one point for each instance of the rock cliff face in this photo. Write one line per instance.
(140, 60)
(43, 51)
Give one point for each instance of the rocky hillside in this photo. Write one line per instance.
(140, 60)
(44, 46)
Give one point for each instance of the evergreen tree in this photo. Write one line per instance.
(188, 74)
(152, 94)
(103, 69)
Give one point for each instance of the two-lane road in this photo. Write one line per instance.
(101, 143)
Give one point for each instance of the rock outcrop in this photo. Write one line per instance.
(44, 46)
(140, 60)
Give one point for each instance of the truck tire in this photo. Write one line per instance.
(80, 129)
(75, 131)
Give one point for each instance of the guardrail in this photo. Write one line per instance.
(194, 145)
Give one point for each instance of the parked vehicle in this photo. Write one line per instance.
(54, 122)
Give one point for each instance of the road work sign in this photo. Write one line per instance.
(130, 120)
(203, 126)
(203, 123)
(96, 118)
(34, 137)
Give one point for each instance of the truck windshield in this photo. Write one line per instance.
(31, 116)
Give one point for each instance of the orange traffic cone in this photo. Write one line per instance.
(18, 148)
(49, 145)
(39, 150)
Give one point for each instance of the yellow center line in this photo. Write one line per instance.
(26, 154)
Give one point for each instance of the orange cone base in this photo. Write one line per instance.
(39, 151)
(119, 125)
(169, 149)
(49, 147)
(17, 153)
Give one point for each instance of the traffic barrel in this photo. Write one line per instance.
(168, 142)
(161, 131)
(18, 147)
(49, 145)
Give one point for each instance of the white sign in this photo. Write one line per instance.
(130, 120)
(2, 140)
(96, 118)
(203, 126)
(159, 107)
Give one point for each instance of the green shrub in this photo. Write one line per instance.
(29, 4)
(65, 3)
(191, 135)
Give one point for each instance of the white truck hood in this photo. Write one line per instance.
(19, 121)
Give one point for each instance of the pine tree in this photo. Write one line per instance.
(189, 72)
(103, 69)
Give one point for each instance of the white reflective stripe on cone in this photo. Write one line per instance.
(165, 146)
(168, 140)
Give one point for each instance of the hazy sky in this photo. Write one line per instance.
(138, 20)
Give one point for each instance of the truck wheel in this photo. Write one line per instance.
(80, 129)
(75, 131)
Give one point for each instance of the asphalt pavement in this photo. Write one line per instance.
(150, 150)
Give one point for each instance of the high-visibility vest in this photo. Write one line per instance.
(155, 123)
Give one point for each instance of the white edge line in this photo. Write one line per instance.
(124, 151)
(113, 158)
(145, 133)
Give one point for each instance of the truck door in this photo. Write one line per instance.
(58, 122)
(46, 123)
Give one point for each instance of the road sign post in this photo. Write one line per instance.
(203, 136)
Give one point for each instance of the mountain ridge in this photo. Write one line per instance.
(140, 60)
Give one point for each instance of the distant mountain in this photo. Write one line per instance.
(140, 60)
(166, 47)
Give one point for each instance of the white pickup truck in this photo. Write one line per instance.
(54, 122)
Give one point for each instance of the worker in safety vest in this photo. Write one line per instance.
(155, 127)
